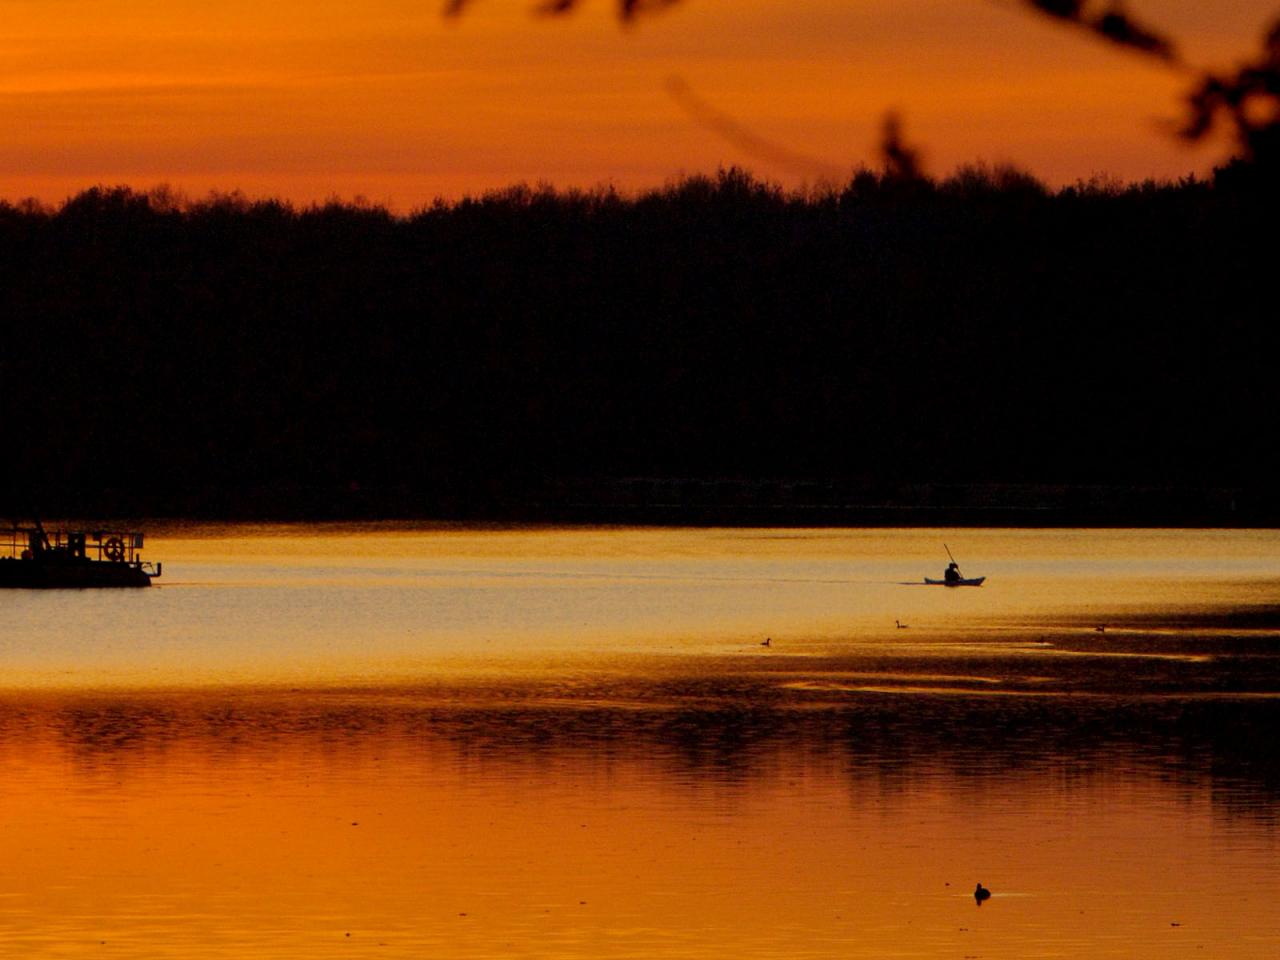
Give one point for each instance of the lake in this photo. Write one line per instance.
(430, 741)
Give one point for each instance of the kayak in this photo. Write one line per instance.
(970, 582)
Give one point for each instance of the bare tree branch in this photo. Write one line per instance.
(744, 139)
(1062, 9)
(1247, 100)
(1111, 23)
(901, 162)
(627, 9)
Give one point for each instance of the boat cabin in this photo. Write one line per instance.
(34, 557)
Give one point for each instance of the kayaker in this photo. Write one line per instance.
(953, 573)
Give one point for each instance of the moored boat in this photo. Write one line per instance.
(35, 559)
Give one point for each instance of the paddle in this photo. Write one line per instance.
(951, 558)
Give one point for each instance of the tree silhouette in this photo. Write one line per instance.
(716, 343)
(530, 348)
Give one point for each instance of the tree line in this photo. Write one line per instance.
(229, 356)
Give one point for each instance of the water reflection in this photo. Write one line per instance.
(691, 728)
(207, 823)
(654, 791)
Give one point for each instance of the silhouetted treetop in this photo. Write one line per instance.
(197, 354)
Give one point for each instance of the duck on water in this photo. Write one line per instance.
(33, 558)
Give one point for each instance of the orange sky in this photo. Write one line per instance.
(387, 100)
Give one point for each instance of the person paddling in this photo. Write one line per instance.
(952, 577)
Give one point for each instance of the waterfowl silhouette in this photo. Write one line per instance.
(899, 625)
(981, 893)
(767, 642)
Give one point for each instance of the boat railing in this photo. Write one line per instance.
(113, 546)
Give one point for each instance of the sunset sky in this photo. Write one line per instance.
(388, 100)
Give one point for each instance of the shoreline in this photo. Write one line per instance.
(702, 502)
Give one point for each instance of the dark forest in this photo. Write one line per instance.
(720, 349)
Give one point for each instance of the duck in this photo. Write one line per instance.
(981, 893)
(767, 642)
(899, 624)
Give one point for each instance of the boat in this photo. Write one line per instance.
(36, 559)
(953, 576)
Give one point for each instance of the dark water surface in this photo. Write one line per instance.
(399, 742)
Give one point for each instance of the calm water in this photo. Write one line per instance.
(398, 742)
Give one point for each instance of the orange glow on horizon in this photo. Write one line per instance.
(393, 102)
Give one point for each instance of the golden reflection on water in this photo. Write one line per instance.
(397, 742)
(488, 822)
(394, 603)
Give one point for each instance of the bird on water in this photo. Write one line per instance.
(981, 893)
